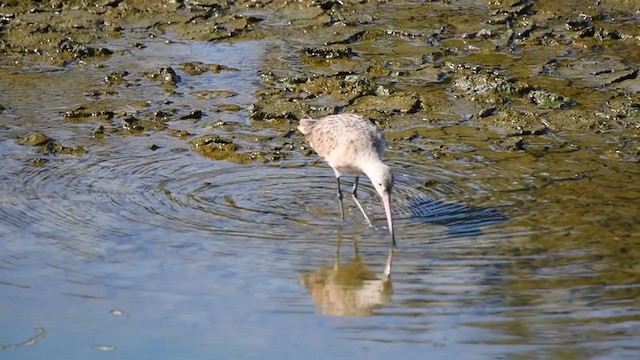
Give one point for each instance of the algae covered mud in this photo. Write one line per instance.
(156, 201)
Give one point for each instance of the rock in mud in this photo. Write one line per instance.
(480, 34)
(217, 68)
(487, 85)
(273, 108)
(329, 52)
(215, 147)
(193, 68)
(82, 51)
(395, 103)
(213, 142)
(234, 108)
(56, 149)
(131, 123)
(36, 139)
(338, 89)
(585, 28)
(548, 100)
(195, 115)
(166, 75)
(626, 105)
(511, 122)
(48, 146)
(512, 143)
(164, 114)
(182, 134)
(627, 82)
(38, 161)
(591, 71)
(427, 75)
(98, 132)
(212, 25)
(116, 77)
(213, 94)
(573, 119)
(627, 148)
(197, 68)
(81, 113)
(488, 112)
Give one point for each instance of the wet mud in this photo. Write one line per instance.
(518, 68)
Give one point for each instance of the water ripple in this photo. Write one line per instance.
(90, 197)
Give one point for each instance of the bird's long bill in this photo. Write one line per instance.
(386, 201)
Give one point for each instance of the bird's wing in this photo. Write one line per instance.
(324, 137)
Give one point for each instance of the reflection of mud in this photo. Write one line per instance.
(347, 288)
(40, 334)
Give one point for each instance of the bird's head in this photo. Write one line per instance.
(382, 179)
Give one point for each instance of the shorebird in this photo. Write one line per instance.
(352, 144)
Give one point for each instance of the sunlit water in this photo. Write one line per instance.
(166, 254)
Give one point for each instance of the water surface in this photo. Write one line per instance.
(143, 248)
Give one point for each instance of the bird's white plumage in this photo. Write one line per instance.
(352, 144)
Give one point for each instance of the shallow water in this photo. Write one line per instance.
(167, 254)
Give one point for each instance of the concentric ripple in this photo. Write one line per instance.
(165, 220)
(118, 202)
(260, 201)
(95, 197)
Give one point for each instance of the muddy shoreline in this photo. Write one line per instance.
(545, 95)
(515, 70)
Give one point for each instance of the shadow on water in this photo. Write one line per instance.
(459, 219)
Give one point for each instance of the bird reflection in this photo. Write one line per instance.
(347, 288)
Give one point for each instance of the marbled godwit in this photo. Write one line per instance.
(351, 144)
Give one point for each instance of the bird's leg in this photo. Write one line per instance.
(340, 199)
(387, 268)
(354, 192)
(337, 263)
(356, 250)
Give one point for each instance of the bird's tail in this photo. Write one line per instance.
(306, 125)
